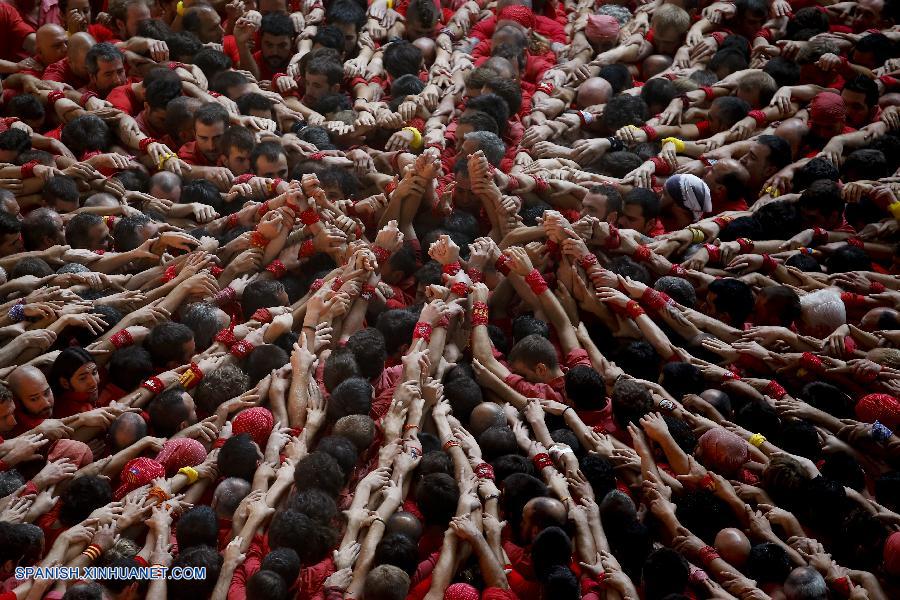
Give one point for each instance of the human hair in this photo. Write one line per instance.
(168, 411)
(806, 23)
(271, 151)
(211, 113)
(320, 470)
(734, 298)
(552, 547)
(83, 496)
(86, 590)
(197, 527)
(464, 394)
(368, 348)
(238, 137)
(829, 398)
(497, 441)
(166, 343)
(263, 293)
(671, 17)
(86, 133)
(533, 350)
(585, 388)
(33, 266)
(779, 150)
(283, 561)
(599, 472)
(639, 359)
(402, 58)
(227, 381)
(386, 582)
(353, 396)
(680, 290)
(325, 65)
(277, 24)
(238, 457)
(493, 105)
(398, 550)
(316, 504)
(805, 583)
(104, 51)
(253, 101)
(630, 401)
(658, 92)
(426, 13)
(731, 109)
(346, 11)
(212, 62)
(527, 324)
(202, 191)
(865, 163)
(206, 557)
(78, 230)
(26, 107)
(618, 76)
(822, 196)
(437, 495)
(311, 541)
(783, 71)
(848, 258)
(67, 362)
(396, 325)
(624, 109)
(263, 360)
(59, 188)
(509, 90)
(267, 585)
(224, 80)
(341, 450)
(665, 572)
(480, 121)
(15, 140)
(403, 86)
(782, 301)
(203, 320)
(493, 147)
(648, 200)
(329, 36)
(876, 43)
(681, 378)
(345, 180)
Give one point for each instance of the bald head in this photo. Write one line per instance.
(428, 48)
(405, 523)
(125, 430)
(228, 496)
(51, 43)
(31, 391)
(79, 44)
(594, 90)
(656, 64)
(102, 199)
(880, 318)
(484, 416)
(165, 185)
(502, 66)
(805, 583)
(540, 513)
(733, 546)
(719, 400)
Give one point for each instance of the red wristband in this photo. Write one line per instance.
(774, 390)
(309, 216)
(277, 269)
(28, 169)
(642, 254)
(241, 349)
(154, 384)
(423, 330)
(536, 282)
(263, 315)
(121, 339)
(479, 313)
(381, 254)
(451, 269)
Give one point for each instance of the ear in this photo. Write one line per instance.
(64, 383)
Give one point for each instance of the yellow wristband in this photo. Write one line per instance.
(416, 143)
(697, 235)
(679, 145)
(757, 439)
(894, 209)
(179, 8)
(190, 473)
(390, 4)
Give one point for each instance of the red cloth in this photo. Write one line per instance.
(189, 154)
(15, 30)
(24, 422)
(555, 389)
(256, 421)
(62, 72)
(137, 472)
(77, 453)
(264, 71)
(102, 33)
(180, 452)
(230, 47)
(550, 29)
(124, 98)
(384, 386)
(69, 404)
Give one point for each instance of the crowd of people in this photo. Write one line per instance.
(450, 299)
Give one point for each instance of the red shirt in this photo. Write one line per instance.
(556, 388)
(189, 154)
(15, 30)
(62, 72)
(124, 98)
(230, 47)
(548, 28)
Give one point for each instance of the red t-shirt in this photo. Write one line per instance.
(124, 98)
(189, 154)
(230, 47)
(15, 30)
(62, 72)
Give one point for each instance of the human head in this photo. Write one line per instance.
(237, 145)
(75, 372)
(386, 582)
(170, 344)
(51, 43)
(10, 235)
(7, 411)
(203, 21)
(239, 457)
(210, 123)
(630, 401)
(128, 16)
(603, 202)
(534, 357)
(349, 17)
(730, 300)
(172, 411)
(105, 65)
(228, 496)
(805, 583)
(640, 208)
(269, 160)
(31, 391)
(821, 312)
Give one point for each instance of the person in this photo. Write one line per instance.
(421, 299)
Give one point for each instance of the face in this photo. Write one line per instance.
(826, 129)
(211, 27)
(53, 45)
(276, 51)
(858, 112)
(82, 7)
(86, 380)
(192, 408)
(7, 417)
(756, 161)
(632, 217)
(238, 160)
(155, 117)
(350, 36)
(272, 168)
(317, 87)
(594, 205)
(415, 29)
(110, 74)
(208, 138)
(537, 374)
(11, 243)
(715, 119)
(36, 396)
(99, 237)
(666, 41)
(867, 14)
(461, 131)
(333, 192)
(10, 206)
(189, 349)
(136, 14)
